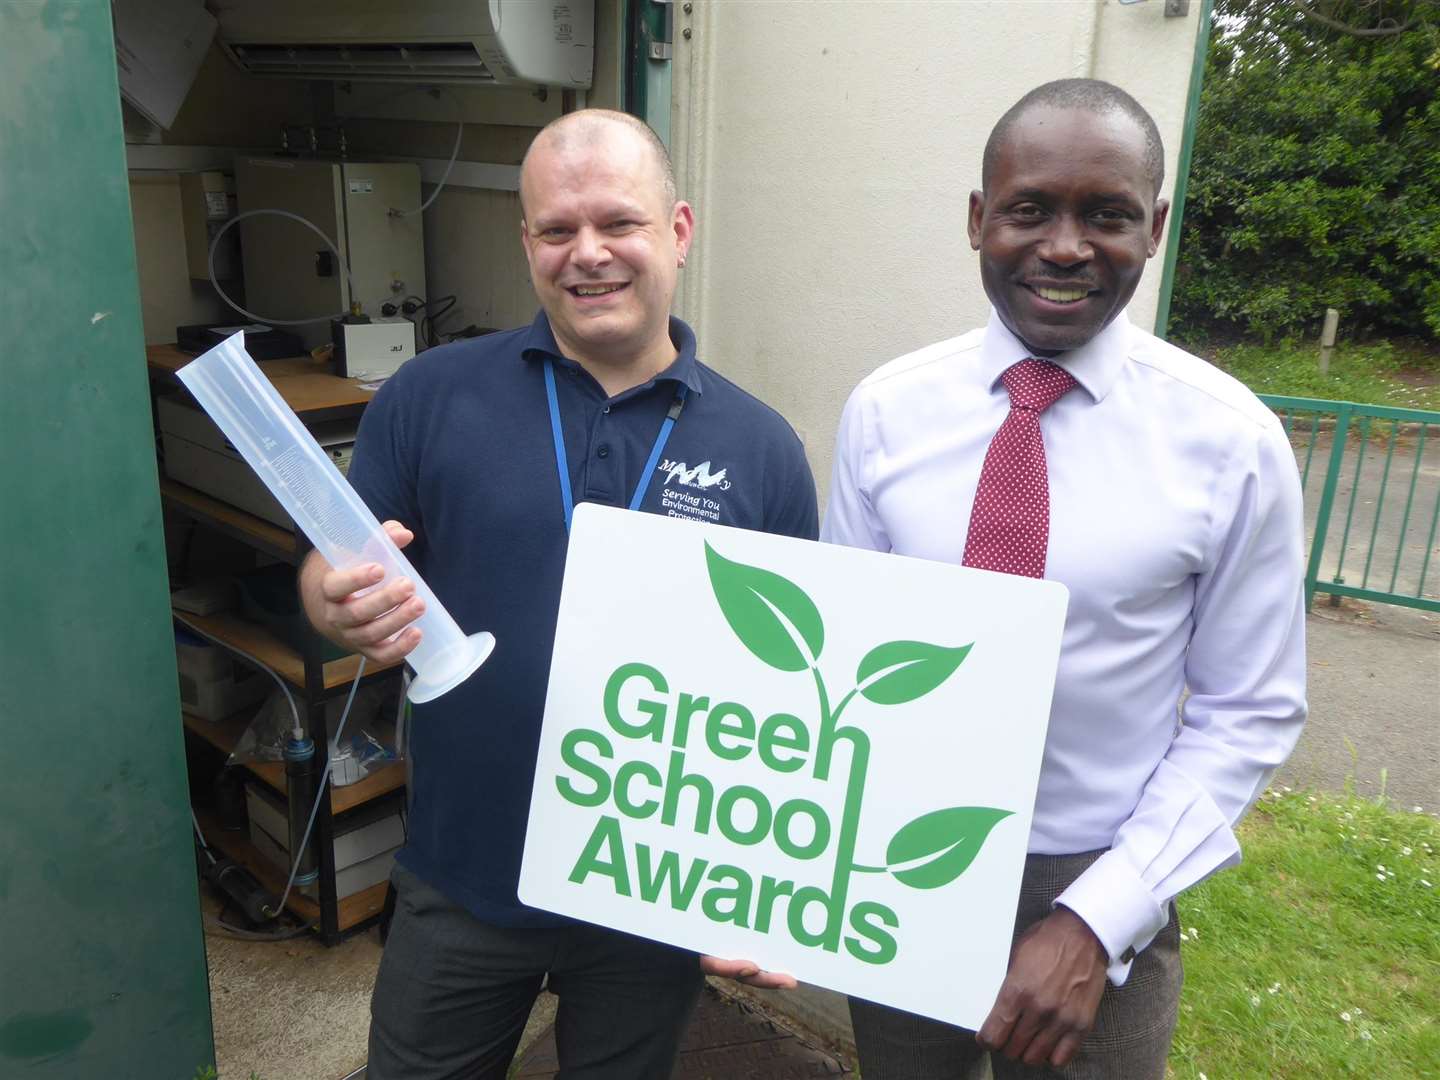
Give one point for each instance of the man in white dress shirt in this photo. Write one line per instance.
(1174, 518)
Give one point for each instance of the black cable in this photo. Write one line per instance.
(430, 325)
(254, 935)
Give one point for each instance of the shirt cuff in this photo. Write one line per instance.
(1119, 909)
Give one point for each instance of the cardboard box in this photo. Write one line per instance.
(365, 840)
(214, 682)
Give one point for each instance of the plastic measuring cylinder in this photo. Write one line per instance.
(272, 440)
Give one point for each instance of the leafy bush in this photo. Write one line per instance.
(1315, 180)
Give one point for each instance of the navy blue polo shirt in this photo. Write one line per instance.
(457, 446)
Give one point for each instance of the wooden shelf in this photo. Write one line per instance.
(224, 734)
(274, 653)
(351, 911)
(244, 526)
(307, 385)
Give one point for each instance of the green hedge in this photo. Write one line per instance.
(1315, 180)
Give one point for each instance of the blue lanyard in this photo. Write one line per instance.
(562, 464)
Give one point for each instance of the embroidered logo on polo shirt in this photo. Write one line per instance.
(692, 493)
(677, 472)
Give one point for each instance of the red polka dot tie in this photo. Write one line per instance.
(1010, 521)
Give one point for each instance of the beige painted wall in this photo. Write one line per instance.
(168, 297)
(829, 148)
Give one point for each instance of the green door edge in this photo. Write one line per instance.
(102, 945)
(647, 80)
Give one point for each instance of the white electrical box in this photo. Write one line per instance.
(366, 209)
(374, 350)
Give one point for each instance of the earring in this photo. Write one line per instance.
(682, 262)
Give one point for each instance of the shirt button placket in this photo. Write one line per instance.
(603, 480)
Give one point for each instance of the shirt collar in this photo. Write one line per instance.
(539, 342)
(1095, 365)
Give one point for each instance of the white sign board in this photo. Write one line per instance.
(820, 759)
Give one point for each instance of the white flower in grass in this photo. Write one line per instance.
(1418, 809)
(1275, 988)
(1405, 850)
(1365, 1035)
(1254, 1001)
(1204, 1077)
(1380, 867)
(1345, 1016)
(1379, 877)
(1426, 883)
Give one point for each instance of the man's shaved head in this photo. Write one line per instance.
(590, 126)
(1090, 95)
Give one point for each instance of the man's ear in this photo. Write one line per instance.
(683, 222)
(1157, 225)
(977, 218)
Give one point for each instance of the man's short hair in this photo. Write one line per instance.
(1091, 95)
(587, 125)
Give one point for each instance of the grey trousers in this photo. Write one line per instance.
(1130, 1040)
(453, 994)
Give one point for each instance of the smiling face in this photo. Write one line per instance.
(1065, 225)
(604, 241)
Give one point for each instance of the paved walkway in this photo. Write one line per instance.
(726, 1040)
(1374, 704)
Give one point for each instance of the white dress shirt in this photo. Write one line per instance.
(1175, 522)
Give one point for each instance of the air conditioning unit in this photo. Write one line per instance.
(467, 42)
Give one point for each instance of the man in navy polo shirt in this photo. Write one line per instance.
(462, 452)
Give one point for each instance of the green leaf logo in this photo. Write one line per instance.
(901, 671)
(936, 848)
(771, 616)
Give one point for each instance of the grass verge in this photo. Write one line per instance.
(1318, 956)
(1374, 373)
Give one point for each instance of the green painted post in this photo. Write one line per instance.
(1409, 502)
(1429, 546)
(1182, 168)
(1379, 499)
(1327, 499)
(102, 964)
(1339, 577)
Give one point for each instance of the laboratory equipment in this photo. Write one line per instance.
(291, 274)
(303, 479)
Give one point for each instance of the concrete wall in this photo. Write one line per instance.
(829, 148)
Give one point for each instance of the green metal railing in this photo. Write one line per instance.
(1376, 476)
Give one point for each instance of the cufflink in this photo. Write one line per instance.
(1127, 955)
